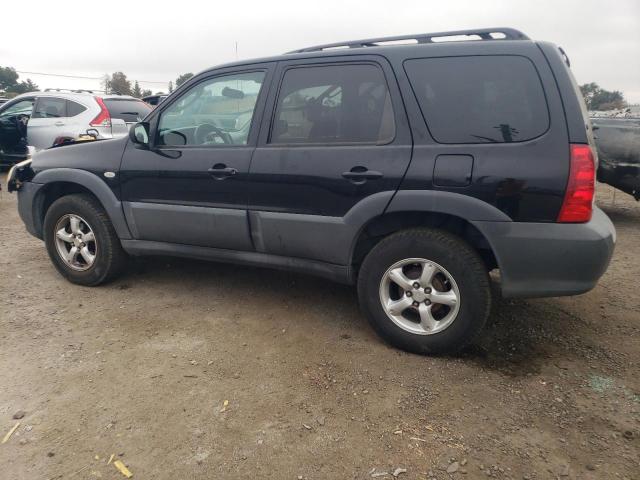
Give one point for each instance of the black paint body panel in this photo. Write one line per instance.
(290, 206)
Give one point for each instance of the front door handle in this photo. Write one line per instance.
(220, 171)
(59, 124)
(360, 175)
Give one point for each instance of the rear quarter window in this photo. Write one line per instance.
(130, 111)
(74, 108)
(479, 99)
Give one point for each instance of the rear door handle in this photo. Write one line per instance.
(59, 124)
(220, 171)
(359, 175)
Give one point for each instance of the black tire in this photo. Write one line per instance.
(460, 260)
(110, 258)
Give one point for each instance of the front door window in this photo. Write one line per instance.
(218, 111)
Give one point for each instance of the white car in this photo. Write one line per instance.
(45, 119)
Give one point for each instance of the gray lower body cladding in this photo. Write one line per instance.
(551, 259)
(28, 207)
(337, 273)
(535, 259)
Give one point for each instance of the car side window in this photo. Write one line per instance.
(50, 107)
(333, 104)
(218, 111)
(74, 108)
(23, 107)
(480, 99)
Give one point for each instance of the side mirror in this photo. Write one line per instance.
(139, 134)
(92, 132)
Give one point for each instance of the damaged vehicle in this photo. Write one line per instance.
(14, 117)
(405, 166)
(618, 144)
(56, 117)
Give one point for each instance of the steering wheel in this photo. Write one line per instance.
(207, 132)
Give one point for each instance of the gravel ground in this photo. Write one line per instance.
(188, 370)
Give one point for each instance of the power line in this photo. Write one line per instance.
(85, 78)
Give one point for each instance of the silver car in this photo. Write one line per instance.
(46, 119)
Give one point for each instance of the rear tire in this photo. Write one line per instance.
(425, 291)
(81, 241)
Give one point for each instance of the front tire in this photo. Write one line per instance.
(425, 291)
(81, 241)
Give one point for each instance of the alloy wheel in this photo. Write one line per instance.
(419, 296)
(75, 242)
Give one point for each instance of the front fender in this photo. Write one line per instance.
(96, 186)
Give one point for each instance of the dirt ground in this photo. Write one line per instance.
(189, 370)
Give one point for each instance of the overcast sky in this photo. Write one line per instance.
(157, 41)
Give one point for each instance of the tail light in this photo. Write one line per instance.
(103, 119)
(577, 206)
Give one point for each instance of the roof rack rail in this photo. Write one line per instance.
(70, 90)
(498, 33)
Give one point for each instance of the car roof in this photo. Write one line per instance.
(406, 45)
(73, 95)
(118, 97)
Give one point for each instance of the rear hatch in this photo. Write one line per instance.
(130, 110)
(577, 116)
(579, 197)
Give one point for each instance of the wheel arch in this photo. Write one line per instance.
(60, 182)
(384, 225)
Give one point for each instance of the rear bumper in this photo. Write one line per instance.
(551, 259)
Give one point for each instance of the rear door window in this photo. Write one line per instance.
(131, 111)
(50, 107)
(332, 104)
(479, 99)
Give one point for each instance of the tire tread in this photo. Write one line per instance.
(421, 237)
(115, 257)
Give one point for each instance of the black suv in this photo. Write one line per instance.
(411, 170)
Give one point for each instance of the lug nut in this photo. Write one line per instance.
(409, 294)
(416, 285)
(427, 290)
(427, 302)
(415, 304)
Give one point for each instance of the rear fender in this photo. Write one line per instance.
(451, 203)
(425, 201)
